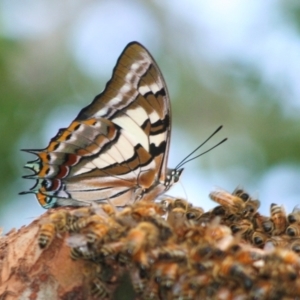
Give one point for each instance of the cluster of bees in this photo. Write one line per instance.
(173, 250)
(240, 212)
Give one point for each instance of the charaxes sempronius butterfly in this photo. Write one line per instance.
(117, 147)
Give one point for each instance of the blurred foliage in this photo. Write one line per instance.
(40, 74)
(291, 10)
(32, 85)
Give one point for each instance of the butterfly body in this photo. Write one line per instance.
(117, 147)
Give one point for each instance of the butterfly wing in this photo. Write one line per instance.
(116, 149)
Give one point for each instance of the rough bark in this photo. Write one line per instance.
(28, 272)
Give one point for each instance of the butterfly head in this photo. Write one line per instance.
(173, 176)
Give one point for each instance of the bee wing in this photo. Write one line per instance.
(296, 209)
(76, 240)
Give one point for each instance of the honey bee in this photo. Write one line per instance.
(166, 274)
(58, 222)
(100, 279)
(165, 230)
(138, 281)
(186, 287)
(98, 288)
(203, 252)
(278, 217)
(194, 213)
(146, 209)
(293, 230)
(232, 203)
(218, 211)
(125, 218)
(259, 238)
(151, 291)
(83, 253)
(87, 244)
(84, 212)
(143, 259)
(239, 203)
(207, 217)
(76, 253)
(280, 264)
(241, 194)
(62, 220)
(244, 227)
(275, 289)
(150, 212)
(262, 223)
(177, 218)
(263, 289)
(287, 256)
(251, 208)
(295, 246)
(216, 232)
(268, 226)
(139, 239)
(79, 247)
(176, 209)
(193, 235)
(83, 222)
(294, 216)
(172, 252)
(197, 286)
(97, 229)
(170, 203)
(230, 269)
(138, 212)
(246, 255)
(95, 232)
(46, 235)
(278, 241)
(111, 249)
(103, 210)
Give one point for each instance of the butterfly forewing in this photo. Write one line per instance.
(116, 149)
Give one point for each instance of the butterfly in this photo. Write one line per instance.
(116, 149)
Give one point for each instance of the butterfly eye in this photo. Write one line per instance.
(177, 175)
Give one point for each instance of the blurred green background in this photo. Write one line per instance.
(234, 62)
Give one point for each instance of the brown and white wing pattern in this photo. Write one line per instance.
(117, 147)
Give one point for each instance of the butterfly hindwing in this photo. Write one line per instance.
(117, 147)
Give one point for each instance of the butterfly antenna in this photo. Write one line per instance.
(184, 161)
